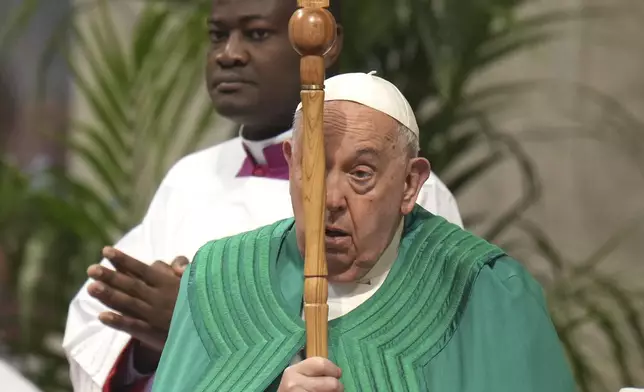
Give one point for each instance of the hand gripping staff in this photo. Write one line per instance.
(312, 31)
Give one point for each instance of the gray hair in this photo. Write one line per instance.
(409, 140)
(406, 138)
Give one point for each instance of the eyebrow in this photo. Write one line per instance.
(366, 151)
(244, 19)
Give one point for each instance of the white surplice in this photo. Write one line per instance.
(199, 200)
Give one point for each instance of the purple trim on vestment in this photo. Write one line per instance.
(276, 166)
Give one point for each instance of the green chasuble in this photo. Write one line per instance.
(455, 314)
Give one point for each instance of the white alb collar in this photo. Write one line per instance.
(381, 268)
(256, 147)
(375, 277)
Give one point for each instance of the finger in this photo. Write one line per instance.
(119, 301)
(138, 329)
(125, 263)
(179, 265)
(116, 280)
(322, 384)
(318, 367)
(292, 381)
(292, 388)
(161, 274)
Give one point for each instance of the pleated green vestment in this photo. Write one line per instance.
(455, 314)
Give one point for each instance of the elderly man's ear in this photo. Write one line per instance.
(419, 170)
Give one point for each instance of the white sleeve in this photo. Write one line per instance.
(437, 199)
(92, 349)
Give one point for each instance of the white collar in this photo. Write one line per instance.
(382, 267)
(380, 270)
(256, 147)
(375, 277)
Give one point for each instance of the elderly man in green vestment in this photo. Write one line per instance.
(415, 303)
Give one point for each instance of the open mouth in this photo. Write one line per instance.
(336, 240)
(333, 232)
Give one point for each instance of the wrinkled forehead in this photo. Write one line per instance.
(346, 117)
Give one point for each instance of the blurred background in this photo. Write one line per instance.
(532, 112)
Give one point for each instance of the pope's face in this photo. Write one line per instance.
(371, 183)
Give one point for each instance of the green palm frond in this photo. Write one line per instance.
(143, 96)
(599, 321)
(146, 108)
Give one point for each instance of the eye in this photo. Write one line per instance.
(217, 35)
(362, 174)
(258, 34)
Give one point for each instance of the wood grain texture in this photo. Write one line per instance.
(314, 194)
(312, 31)
(316, 314)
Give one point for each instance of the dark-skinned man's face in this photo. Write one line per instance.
(252, 70)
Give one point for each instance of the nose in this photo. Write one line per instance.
(234, 52)
(335, 195)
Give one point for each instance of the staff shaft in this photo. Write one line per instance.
(312, 31)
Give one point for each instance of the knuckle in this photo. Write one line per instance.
(160, 269)
(121, 322)
(141, 308)
(107, 297)
(137, 326)
(107, 276)
(124, 322)
(128, 286)
(100, 273)
(326, 384)
(153, 271)
(157, 264)
(318, 362)
(335, 385)
(138, 288)
(104, 291)
(110, 295)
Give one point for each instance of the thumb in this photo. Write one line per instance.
(179, 265)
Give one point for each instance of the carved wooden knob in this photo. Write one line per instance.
(312, 31)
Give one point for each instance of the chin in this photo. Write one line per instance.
(233, 106)
(349, 276)
(341, 267)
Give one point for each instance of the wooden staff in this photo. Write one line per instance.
(312, 31)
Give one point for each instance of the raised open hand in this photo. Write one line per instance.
(142, 296)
